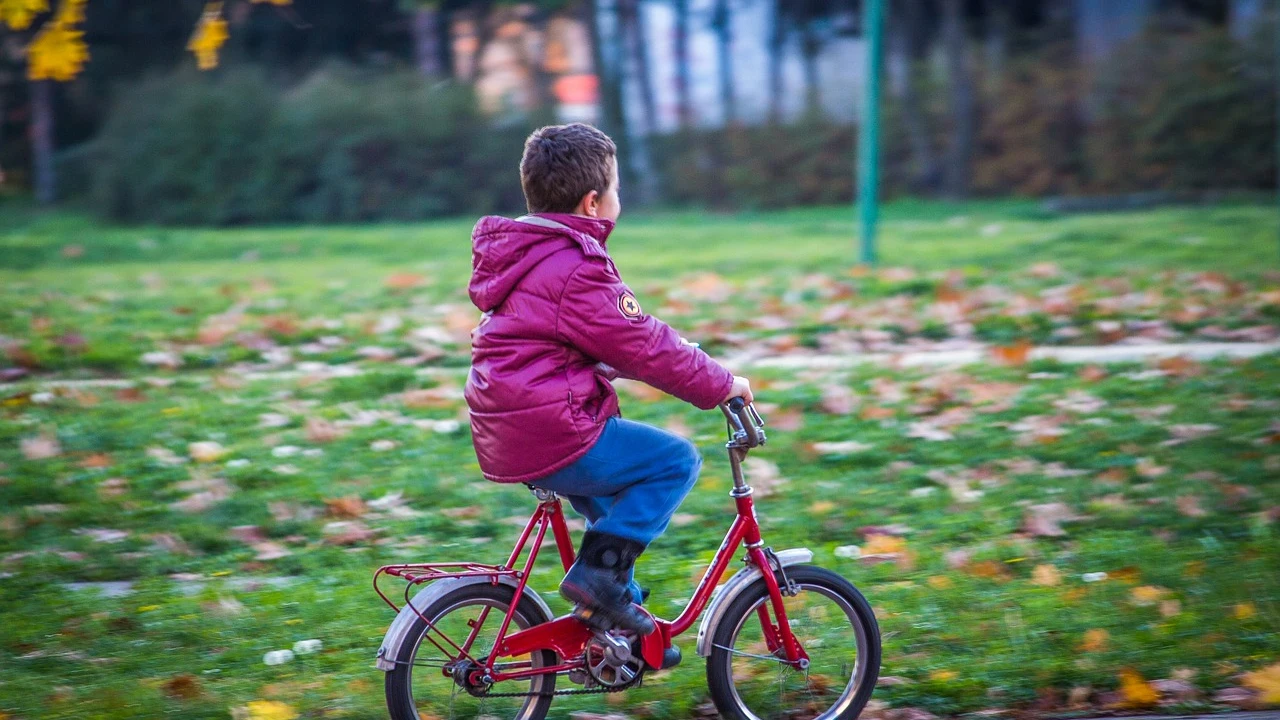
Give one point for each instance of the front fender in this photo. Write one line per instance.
(423, 599)
(725, 594)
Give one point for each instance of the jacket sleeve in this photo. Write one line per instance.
(600, 316)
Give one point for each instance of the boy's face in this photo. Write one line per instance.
(604, 205)
(610, 206)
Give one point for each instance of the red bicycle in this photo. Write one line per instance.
(782, 638)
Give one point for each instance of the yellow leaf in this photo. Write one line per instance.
(19, 13)
(1147, 594)
(209, 36)
(1267, 682)
(1095, 640)
(1245, 610)
(883, 544)
(1046, 575)
(939, 582)
(821, 507)
(57, 53)
(270, 710)
(942, 675)
(1135, 691)
(70, 11)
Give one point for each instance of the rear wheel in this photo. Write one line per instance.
(834, 625)
(432, 677)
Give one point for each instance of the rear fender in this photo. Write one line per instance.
(400, 627)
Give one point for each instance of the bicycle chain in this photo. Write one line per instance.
(584, 691)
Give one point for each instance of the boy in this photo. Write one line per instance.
(557, 321)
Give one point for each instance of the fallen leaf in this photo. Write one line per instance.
(403, 281)
(1189, 505)
(1095, 641)
(1045, 520)
(844, 447)
(1011, 355)
(989, 569)
(103, 535)
(1046, 575)
(96, 460)
(270, 551)
(763, 476)
(41, 447)
(1136, 692)
(319, 430)
(350, 506)
(883, 544)
(789, 420)
(1244, 610)
(182, 687)
(1243, 698)
(270, 710)
(838, 400)
(347, 532)
(1144, 595)
(205, 451)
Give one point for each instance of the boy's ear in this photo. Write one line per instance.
(589, 205)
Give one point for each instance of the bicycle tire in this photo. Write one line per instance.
(720, 680)
(398, 684)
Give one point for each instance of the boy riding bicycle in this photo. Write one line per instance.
(558, 325)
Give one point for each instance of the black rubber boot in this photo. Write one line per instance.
(597, 584)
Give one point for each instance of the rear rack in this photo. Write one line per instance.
(415, 574)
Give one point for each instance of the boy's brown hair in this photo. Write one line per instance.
(562, 163)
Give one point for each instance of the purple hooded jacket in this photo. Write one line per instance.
(554, 308)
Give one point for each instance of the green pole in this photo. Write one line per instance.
(869, 132)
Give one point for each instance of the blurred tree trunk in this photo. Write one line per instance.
(956, 175)
(721, 21)
(998, 22)
(777, 45)
(608, 56)
(810, 47)
(632, 28)
(683, 106)
(534, 46)
(424, 27)
(906, 28)
(484, 33)
(42, 140)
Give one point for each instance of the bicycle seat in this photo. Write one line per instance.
(540, 494)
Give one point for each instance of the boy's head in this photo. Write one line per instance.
(571, 169)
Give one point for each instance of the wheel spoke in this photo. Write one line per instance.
(434, 691)
(823, 620)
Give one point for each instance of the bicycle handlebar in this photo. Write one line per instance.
(746, 427)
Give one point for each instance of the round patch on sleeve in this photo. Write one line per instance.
(628, 306)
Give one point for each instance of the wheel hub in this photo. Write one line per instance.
(470, 676)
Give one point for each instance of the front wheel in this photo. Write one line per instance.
(834, 625)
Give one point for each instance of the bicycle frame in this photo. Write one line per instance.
(567, 636)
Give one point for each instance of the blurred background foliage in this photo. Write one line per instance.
(409, 110)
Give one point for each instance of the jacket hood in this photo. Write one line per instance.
(503, 251)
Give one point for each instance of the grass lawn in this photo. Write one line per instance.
(1033, 538)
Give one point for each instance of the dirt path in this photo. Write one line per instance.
(796, 361)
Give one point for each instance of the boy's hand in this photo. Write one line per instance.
(741, 388)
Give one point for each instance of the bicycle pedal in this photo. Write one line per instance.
(592, 619)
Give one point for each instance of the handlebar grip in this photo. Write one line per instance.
(738, 407)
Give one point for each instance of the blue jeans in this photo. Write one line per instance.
(630, 482)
